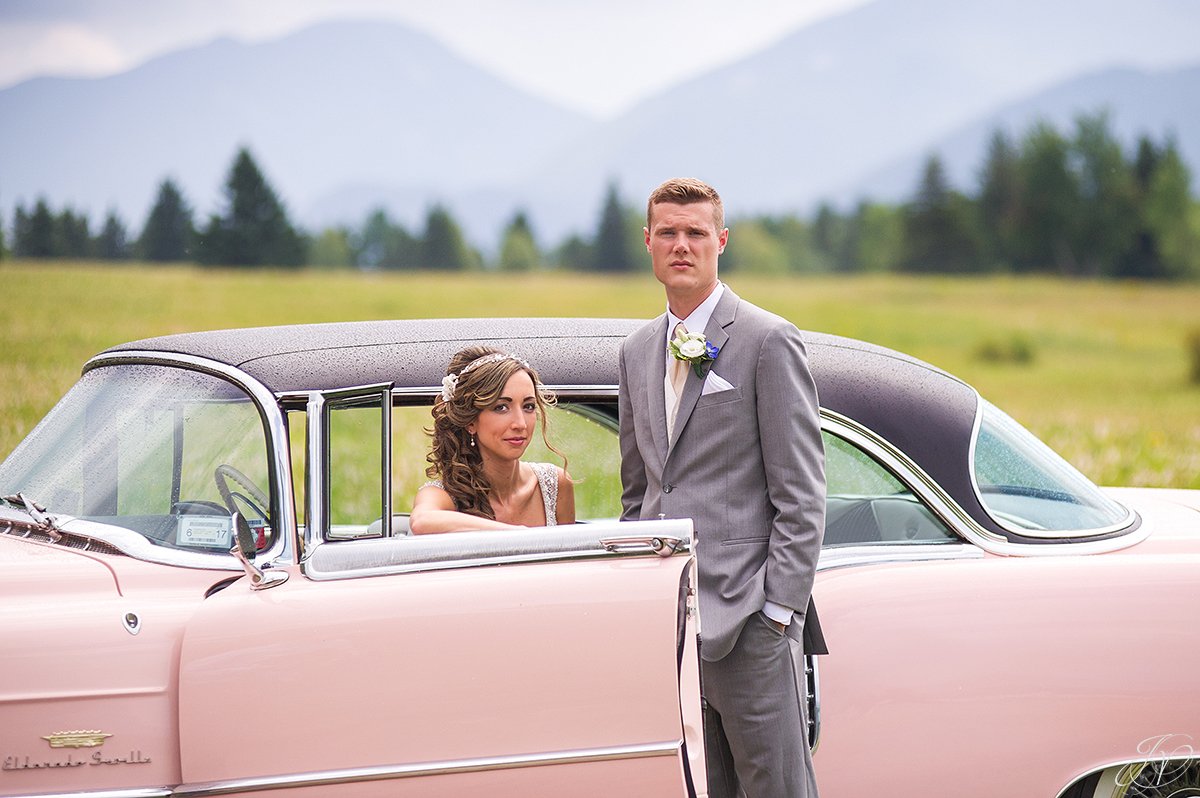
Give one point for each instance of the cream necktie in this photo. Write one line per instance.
(676, 377)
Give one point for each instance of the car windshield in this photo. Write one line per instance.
(164, 452)
(1031, 490)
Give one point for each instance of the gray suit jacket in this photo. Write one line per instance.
(746, 464)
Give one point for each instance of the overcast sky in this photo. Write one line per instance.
(597, 56)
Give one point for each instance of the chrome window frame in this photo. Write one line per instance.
(1131, 516)
(280, 470)
(317, 453)
(927, 490)
(1128, 521)
(462, 551)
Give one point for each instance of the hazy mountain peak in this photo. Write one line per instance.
(346, 115)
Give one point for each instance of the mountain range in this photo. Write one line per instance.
(347, 116)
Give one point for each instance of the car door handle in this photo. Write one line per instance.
(662, 545)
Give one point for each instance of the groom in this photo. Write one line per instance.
(729, 436)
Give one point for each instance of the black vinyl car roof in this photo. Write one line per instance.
(924, 411)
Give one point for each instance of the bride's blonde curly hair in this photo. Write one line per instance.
(481, 373)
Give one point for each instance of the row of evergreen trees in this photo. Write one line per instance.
(1049, 203)
(254, 230)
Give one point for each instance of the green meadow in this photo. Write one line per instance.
(1102, 371)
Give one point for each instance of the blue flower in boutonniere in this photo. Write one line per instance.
(693, 348)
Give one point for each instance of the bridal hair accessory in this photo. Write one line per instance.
(450, 381)
(693, 348)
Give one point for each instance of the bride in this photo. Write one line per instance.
(483, 422)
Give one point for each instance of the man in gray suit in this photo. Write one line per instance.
(723, 429)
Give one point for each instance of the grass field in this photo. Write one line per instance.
(1100, 371)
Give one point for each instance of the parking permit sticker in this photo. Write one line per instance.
(204, 530)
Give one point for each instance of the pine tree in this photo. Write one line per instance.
(113, 241)
(519, 250)
(937, 227)
(35, 232)
(828, 236)
(1172, 216)
(20, 236)
(612, 251)
(71, 236)
(443, 246)
(574, 253)
(1000, 201)
(1049, 204)
(385, 245)
(1142, 259)
(254, 229)
(1106, 228)
(169, 233)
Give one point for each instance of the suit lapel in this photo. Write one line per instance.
(716, 334)
(655, 351)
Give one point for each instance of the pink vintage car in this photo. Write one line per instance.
(208, 589)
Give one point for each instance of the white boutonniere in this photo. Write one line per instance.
(695, 349)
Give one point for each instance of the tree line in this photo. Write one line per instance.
(1049, 203)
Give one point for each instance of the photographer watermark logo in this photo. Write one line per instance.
(1171, 769)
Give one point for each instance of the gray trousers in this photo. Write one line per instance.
(754, 724)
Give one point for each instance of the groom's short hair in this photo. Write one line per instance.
(685, 191)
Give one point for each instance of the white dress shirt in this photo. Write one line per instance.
(696, 321)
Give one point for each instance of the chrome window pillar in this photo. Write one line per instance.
(317, 458)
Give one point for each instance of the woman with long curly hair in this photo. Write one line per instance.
(483, 422)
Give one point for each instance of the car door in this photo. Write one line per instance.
(535, 662)
(397, 667)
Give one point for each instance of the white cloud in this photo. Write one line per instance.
(58, 49)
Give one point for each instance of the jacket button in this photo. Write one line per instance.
(668, 488)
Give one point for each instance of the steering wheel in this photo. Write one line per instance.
(256, 500)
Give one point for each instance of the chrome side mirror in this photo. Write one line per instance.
(244, 549)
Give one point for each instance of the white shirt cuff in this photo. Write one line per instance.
(778, 612)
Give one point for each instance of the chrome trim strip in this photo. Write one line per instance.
(1127, 521)
(946, 508)
(416, 568)
(10, 699)
(135, 792)
(852, 556)
(355, 559)
(268, 408)
(599, 391)
(390, 772)
(814, 687)
(136, 546)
